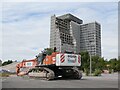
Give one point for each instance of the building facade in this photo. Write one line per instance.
(68, 33)
(90, 38)
(64, 34)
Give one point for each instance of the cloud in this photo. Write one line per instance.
(26, 26)
(33, 10)
(20, 39)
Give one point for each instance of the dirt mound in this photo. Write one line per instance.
(11, 67)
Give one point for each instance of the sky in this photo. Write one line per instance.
(26, 26)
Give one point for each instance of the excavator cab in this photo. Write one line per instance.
(41, 56)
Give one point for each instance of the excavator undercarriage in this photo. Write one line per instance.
(50, 73)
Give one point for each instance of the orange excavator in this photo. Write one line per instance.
(51, 66)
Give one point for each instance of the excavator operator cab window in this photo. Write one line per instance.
(41, 57)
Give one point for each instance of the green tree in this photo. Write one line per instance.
(113, 64)
(49, 51)
(85, 62)
(98, 63)
(101, 64)
(118, 65)
(106, 62)
(95, 63)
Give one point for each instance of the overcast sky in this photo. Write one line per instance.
(26, 26)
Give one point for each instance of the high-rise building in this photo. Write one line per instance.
(65, 32)
(90, 38)
(68, 33)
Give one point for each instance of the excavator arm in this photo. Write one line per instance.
(25, 64)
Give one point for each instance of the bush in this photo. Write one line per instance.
(110, 71)
(86, 72)
(97, 72)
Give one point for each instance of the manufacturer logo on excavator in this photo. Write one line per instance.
(71, 58)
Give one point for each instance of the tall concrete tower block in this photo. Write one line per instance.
(69, 34)
(65, 33)
(90, 38)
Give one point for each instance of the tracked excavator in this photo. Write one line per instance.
(52, 66)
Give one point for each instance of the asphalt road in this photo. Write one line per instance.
(104, 81)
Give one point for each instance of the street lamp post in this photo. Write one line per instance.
(90, 65)
(90, 60)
